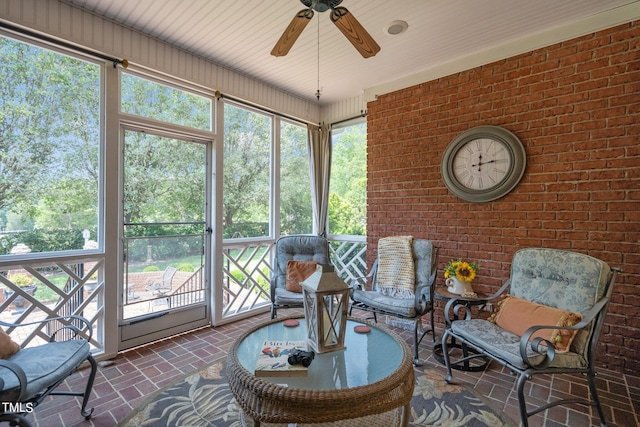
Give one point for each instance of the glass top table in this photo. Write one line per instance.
(372, 375)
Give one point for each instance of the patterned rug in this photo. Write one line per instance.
(204, 399)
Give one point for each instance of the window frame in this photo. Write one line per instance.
(102, 65)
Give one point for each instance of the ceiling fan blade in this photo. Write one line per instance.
(354, 32)
(293, 31)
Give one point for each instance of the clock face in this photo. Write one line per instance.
(482, 163)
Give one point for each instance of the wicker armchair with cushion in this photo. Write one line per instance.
(295, 259)
(30, 374)
(549, 322)
(402, 284)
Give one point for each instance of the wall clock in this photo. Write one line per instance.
(483, 164)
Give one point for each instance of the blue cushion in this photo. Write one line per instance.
(506, 346)
(44, 365)
(561, 279)
(297, 248)
(401, 306)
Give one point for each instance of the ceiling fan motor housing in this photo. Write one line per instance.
(321, 5)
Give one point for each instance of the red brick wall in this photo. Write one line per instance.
(576, 108)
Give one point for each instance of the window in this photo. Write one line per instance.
(295, 186)
(157, 101)
(49, 149)
(348, 188)
(247, 162)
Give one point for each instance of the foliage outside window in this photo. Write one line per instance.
(247, 160)
(146, 98)
(164, 179)
(49, 149)
(295, 186)
(348, 188)
(248, 157)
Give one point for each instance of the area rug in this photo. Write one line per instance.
(204, 399)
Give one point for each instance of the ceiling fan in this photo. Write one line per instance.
(340, 16)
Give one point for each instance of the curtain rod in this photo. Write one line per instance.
(64, 44)
(363, 113)
(257, 107)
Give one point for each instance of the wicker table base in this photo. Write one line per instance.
(393, 418)
(269, 402)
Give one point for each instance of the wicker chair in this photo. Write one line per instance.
(294, 248)
(413, 307)
(33, 373)
(552, 295)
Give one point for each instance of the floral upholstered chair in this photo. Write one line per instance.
(548, 323)
(295, 259)
(402, 284)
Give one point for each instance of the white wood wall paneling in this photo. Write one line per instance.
(78, 26)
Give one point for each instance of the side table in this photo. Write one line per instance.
(474, 365)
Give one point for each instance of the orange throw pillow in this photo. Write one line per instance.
(297, 272)
(8, 347)
(517, 315)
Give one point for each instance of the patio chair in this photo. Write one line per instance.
(549, 323)
(29, 375)
(295, 259)
(402, 285)
(160, 290)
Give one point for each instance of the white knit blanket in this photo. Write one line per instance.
(396, 273)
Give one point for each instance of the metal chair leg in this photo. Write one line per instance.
(87, 392)
(595, 398)
(445, 356)
(524, 416)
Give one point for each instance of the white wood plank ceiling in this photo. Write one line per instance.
(239, 34)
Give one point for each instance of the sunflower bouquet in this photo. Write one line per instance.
(462, 270)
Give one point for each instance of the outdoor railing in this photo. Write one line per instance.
(69, 285)
(247, 270)
(191, 291)
(62, 288)
(349, 255)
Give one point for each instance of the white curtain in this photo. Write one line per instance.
(319, 143)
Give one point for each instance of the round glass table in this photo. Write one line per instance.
(368, 382)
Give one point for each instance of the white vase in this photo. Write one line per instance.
(459, 287)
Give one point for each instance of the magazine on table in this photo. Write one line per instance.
(273, 360)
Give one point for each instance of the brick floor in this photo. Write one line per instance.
(124, 383)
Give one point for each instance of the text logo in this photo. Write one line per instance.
(17, 408)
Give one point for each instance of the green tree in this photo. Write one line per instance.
(49, 134)
(348, 191)
(164, 179)
(164, 103)
(295, 188)
(344, 216)
(247, 158)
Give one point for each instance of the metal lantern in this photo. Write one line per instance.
(326, 299)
